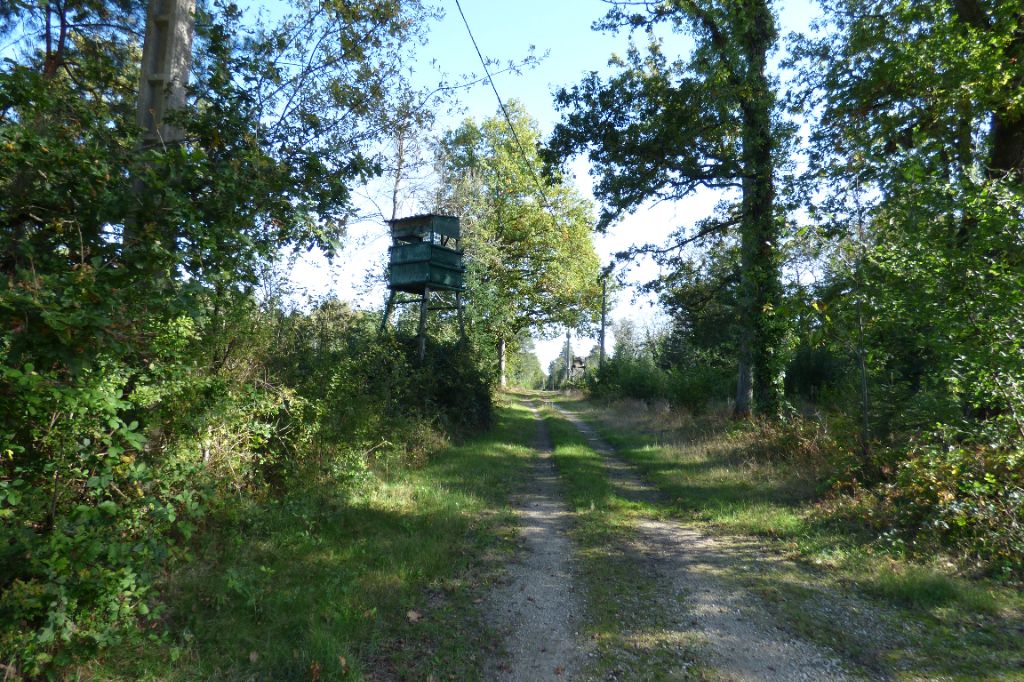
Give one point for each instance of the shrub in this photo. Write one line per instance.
(630, 378)
(106, 469)
(964, 495)
(88, 514)
(695, 387)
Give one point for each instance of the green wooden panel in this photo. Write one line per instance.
(421, 264)
(424, 251)
(413, 277)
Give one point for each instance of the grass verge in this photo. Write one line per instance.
(890, 616)
(377, 578)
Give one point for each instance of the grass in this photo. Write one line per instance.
(626, 615)
(888, 616)
(378, 578)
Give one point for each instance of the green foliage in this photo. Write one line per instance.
(707, 379)
(88, 512)
(662, 128)
(524, 366)
(139, 380)
(966, 496)
(664, 366)
(628, 377)
(921, 165)
(529, 254)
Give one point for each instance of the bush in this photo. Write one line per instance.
(815, 370)
(695, 387)
(630, 378)
(88, 513)
(106, 469)
(965, 496)
(703, 379)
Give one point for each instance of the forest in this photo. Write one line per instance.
(856, 297)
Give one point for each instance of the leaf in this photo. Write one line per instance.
(414, 616)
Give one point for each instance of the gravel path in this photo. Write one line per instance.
(537, 609)
(742, 642)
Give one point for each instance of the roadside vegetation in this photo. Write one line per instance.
(858, 288)
(890, 608)
(193, 456)
(170, 406)
(346, 577)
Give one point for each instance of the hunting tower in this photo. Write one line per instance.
(426, 257)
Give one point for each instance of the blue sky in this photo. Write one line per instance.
(505, 31)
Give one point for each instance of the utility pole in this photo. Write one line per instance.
(568, 356)
(604, 316)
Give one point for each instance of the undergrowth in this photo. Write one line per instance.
(110, 467)
(352, 578)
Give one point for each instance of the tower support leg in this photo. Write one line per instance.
(423, 324)
(462, 318)
(387, 311)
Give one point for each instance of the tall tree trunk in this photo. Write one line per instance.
(743, 388)
(764, 328)
(163, 78)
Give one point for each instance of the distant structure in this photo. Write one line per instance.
(577, 369)
(426, 257)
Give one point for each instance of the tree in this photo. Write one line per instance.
(917, 156)
(660, 130)
(531, 262)
(524, 367)
(925, 160)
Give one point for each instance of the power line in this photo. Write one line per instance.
(504, 111)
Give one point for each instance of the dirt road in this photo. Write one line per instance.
(539, 609)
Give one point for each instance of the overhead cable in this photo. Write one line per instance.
(504, 111)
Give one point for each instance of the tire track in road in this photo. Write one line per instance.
(741, 640)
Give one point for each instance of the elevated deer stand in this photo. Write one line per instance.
(426, 257)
